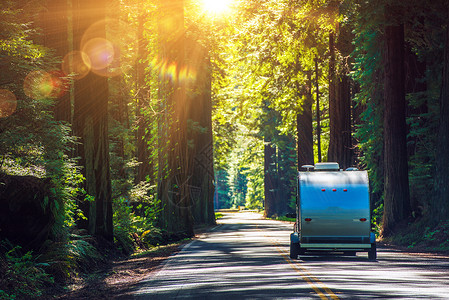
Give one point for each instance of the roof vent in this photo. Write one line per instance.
(352, 169)
(327, 166)
(308, 167)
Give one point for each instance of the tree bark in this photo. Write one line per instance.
(176, 200)
(396, 189)
(340, 143)
(269, 179)
(91, 125)
(334, 124)
(200, 133)
(304, 127)
(55, 27)
(440, 205)
(318, 111)
(146, 167)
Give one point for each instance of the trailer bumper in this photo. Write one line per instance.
(336, 247)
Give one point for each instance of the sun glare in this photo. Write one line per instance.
(217, 6)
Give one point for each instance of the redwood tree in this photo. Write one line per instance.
(54, 20)
(304, 126)
(91, 126)
(175, 195)
(340, 143)
(396, 189)
(200, 135)
(270, 185)
(440, 207)
(146, 166)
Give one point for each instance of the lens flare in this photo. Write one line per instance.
(76, 64)
(8, 103)
(37, 85)
(40, 84)
(187, 75)
(100, 52)
(113, 53)
(172, 72)
(60, 84)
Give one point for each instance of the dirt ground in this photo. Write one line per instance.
(116, 278)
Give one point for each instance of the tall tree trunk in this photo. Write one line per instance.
(396, 190)
(304, 127)
(340, 143)
(269, 179)
(176, 202)
(334, 139)
(118, 113)
(200, 132)
(318, 111)
(54, 22)
(286, 171)
(440, 204)
(145, 167)
(91, 125)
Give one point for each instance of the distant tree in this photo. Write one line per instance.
(270, 179)
(222, 190)
(318, 110)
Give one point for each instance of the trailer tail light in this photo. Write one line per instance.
(345, 190)
(307, 219)
(363, 220)
(323, 190)
(334, 190)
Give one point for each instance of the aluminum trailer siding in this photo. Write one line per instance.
(333, 213)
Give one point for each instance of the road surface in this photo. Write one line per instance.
(246, 257)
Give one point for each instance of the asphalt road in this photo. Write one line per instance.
(246, 257)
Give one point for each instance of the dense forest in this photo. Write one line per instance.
(127, 122)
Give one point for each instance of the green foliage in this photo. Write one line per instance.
(423, 66)
(222, 189)
(421, 237)
(65, 258)
(135, 219)
(284, 218)
(32, 142)
(25, 278)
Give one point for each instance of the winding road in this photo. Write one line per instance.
(247, 257)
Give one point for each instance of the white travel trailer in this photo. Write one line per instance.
(332, 212)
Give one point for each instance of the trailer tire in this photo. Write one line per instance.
(372, 253)
(295, 250)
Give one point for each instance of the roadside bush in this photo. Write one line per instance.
(420, 236)
(24, 277)
(135, 219)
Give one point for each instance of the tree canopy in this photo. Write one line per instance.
(142, 116)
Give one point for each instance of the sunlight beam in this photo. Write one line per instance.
(216, 7)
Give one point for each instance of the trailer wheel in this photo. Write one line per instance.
(295, 250)
(372, 253)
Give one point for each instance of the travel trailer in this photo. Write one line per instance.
(332, 212)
